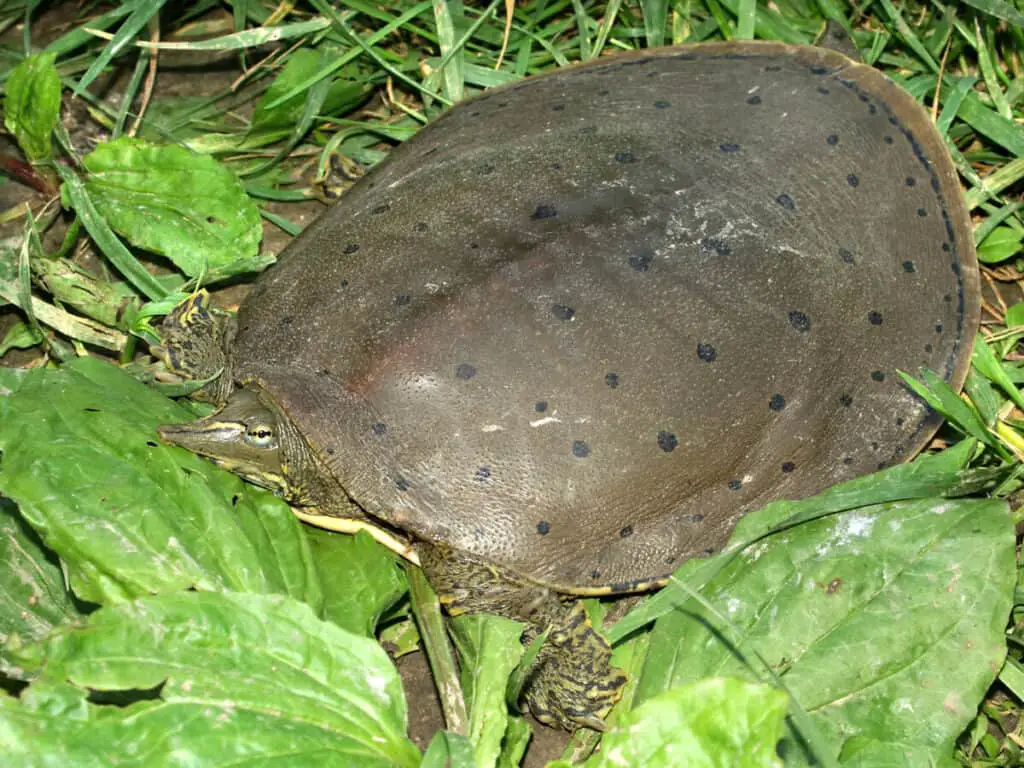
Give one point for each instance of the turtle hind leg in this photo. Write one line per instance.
(571, 683)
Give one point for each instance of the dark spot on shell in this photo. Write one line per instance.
(709, 551)
(557, 107)
(611, 379)
(580, 449)
(846, 399)
(350, 248)
(832, 140)
(545, 211)
(911, 181)
(946, 247)
(928, 348)
(595, 574)
(938, 328)
(420, 226)
(323, 372)
(922, 212)
(773, 68)
(382, 208)
(483, 474)
(706, 352)
(485, 169)
(735, 485)
(556, 166)
(729, 147)
(788, 466)
(875, 318)
(625, 157)
(543, 527)
(754, 100)
(401, 299)
(847, 459)
(909, 267)
(379, 429)
(474, 246)
(878, 375)
(852, 180)
(947, 298)
(626, 531)
(401, 483)
(823, 90)
(874, 445)
(800, 321)
(661, 105)
(640, 263)
(670, 559)
(777, 402)
(330, 451)
(465, 371)
(540, 406)
(563, 312)
(287, 320)
(888, 139)
(716, 244)
(818, 69)
(900, 421)
(786, 202)
(846, 256)
(667, 441)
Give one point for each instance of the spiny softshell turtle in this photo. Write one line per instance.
(572, 330)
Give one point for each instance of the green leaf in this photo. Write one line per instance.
(885, 622)
(1000, 245)
(713, 723)
(181, 205)
(448, 750)
(361, 579)
(33, 598)
(489, 650)
(19, 336)
(128, 515)
(32, 106)
(232, 678)
(1015, 315)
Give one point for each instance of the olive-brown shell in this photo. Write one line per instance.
(579, 325)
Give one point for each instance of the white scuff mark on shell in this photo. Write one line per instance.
(755, 89)
(545, 420)
(582, 420)
(431, 287)
(492, 428)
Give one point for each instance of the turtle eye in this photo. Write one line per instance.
(261, 436)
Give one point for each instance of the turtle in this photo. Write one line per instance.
(570, 332)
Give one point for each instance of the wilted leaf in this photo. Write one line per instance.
(232, 679)
(32, 106)
(128, 515)
(184, 206)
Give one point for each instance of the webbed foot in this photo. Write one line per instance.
(572, 683)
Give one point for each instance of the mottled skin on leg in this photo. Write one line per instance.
(571, 683)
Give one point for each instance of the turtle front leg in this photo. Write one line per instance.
(572, 682)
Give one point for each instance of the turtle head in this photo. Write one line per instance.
(196, 337)
(242, 437)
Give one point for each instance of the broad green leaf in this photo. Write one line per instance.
(33, 597)
(234, 678)
(712, 723)
(489, 650)
(274, 114)
(885, 622)
(181, 205)
(448, 750)
(361, 579)
(32, 105)
(128, 515)
(1002, 244)
(1015, 315)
